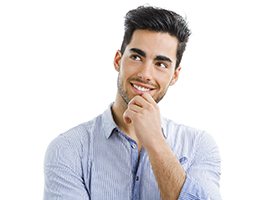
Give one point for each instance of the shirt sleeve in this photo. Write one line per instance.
(63, 174)
(203, 174)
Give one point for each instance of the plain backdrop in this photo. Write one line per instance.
(56, 72)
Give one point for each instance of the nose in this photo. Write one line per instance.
(145, 73)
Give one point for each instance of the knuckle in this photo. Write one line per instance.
(150, 107)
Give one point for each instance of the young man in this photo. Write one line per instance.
(130, 151)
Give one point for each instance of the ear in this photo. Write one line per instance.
(175, 75)
(117, 60)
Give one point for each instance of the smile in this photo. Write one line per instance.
(140, 88)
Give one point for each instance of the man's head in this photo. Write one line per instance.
(152, 48)
(158, 20)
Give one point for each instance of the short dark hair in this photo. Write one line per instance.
(158, 20)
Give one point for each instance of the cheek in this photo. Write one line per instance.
(124, 74)
(128, 71)
(165, 81)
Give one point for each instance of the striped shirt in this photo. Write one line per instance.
(96, 161)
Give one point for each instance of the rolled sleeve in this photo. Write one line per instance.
(203, 174)
(192, 191)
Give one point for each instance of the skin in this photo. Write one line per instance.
(150, 63)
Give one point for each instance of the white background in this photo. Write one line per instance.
(56, 71)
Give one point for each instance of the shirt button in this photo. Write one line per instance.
(133, 146)
(137, 178)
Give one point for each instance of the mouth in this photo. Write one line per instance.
(140, 88)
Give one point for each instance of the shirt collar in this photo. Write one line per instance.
(109, 124)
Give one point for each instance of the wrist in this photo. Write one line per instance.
(156, 146)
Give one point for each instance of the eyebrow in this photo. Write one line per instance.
(158, 57)
(163, 58)
(138, 51)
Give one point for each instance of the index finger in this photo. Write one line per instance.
(148, 98)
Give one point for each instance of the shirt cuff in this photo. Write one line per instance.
(191, 190)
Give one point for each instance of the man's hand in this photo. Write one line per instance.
(144, 115)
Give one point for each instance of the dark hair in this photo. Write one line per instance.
(159, 20)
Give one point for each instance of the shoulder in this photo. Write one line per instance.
(182, 131)
(73, 144)
(190, 139)
(74, 136)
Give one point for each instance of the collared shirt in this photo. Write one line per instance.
(96, 161)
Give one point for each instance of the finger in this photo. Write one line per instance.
(127, 116)
(135, 108)
(148, 98)
(138, 100)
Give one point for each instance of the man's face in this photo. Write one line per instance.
(147, 65)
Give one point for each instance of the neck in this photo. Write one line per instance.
(118, 108)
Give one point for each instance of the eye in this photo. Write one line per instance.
(135, 57)
(162, 65)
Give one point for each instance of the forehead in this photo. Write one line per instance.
(154, 43)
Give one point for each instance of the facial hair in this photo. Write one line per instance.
(121, 91)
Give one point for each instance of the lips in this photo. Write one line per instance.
(142, 88)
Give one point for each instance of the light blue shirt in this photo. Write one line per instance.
(96, 161)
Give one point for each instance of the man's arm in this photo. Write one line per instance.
(201, 181)
(63, 177)
(143, 114)
(168, 171)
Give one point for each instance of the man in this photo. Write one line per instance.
(130, 151)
